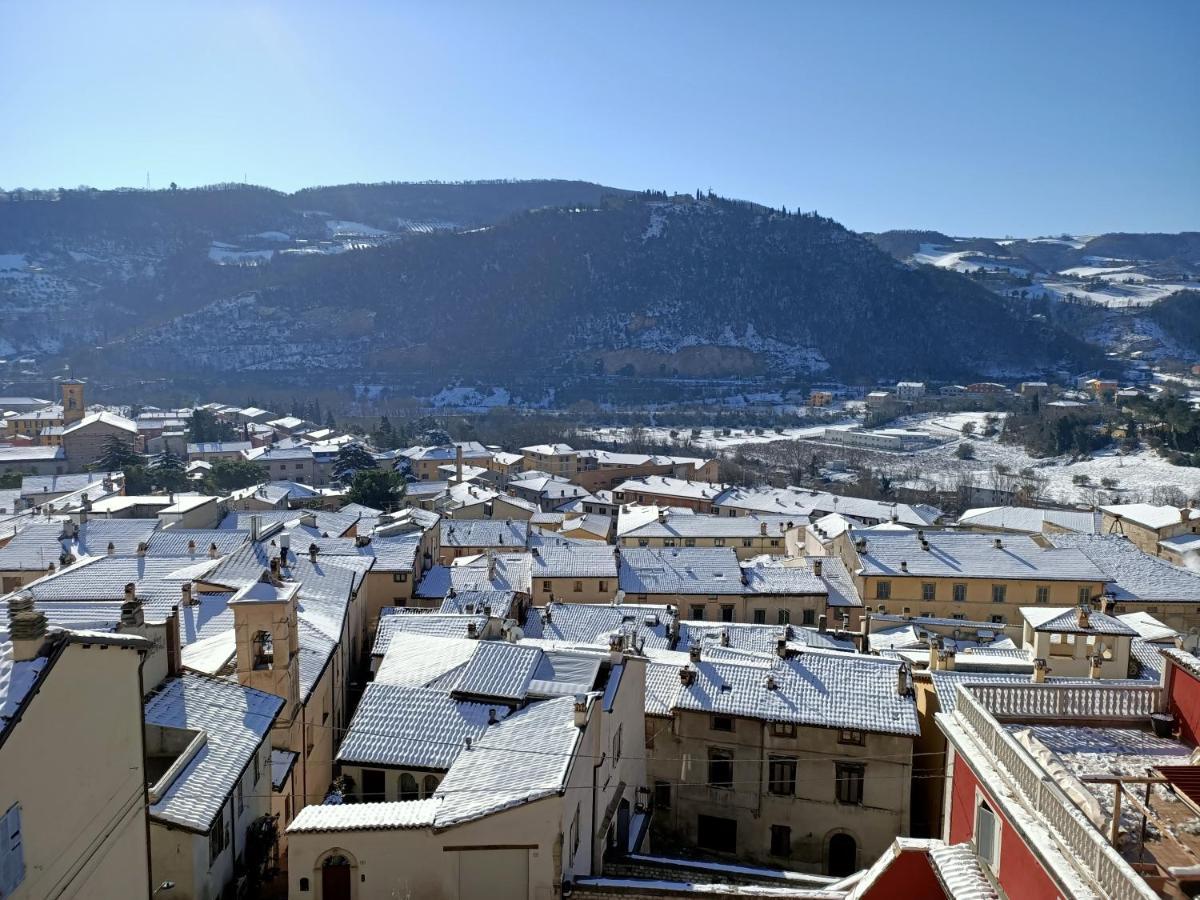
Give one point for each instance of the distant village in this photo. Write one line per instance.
(248, 655)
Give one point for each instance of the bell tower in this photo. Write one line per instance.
(72, 400)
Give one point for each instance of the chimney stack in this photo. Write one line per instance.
(769, 682)
(112, 548)
(472, 630)
(212, 551)
(1095, 661)
(687, 676)
(26, 627)
(275, 568)
(132, 615)
(817, 567)
(1039, 670)
(313, 549)
(458, 462)
(822, 623)
(694, 651)
(130, 592)
(762, 529)
(581, 710)
(255, 524)
(902, 674)
(492, 720)
(185, 591)
(1083, 616)
(191, 547)
(904, 565)
(999, 544)
(781, 648)
(141, 548)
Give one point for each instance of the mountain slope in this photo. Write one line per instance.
(633, 286)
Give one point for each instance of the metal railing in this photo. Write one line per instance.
(1078, 839)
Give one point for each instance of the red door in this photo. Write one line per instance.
(335, 879)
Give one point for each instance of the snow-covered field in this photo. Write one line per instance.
(713, 439)
(1116, 294)
(963, 260)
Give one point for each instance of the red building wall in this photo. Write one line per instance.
(1183, 699)
(909, 875)
(1021, 874)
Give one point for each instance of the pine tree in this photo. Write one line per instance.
(352, 458)
(116, 456)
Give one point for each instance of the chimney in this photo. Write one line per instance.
(130, 592)
(546, 616)
(82, 516)
(616, 643)
(1083, 616)
(687, 676)
(313, 549)
(1039, 670)
(458, 462)
(191, 547)
(904, 565)
(185, 591)
(472, 630)
(935, 661)
(308, 519)
(174, 647)
(213, 553)
(662, 514)
(255, 525)
(487, 610)
(581, 710)
(26, 627)
(492, 720)
(999, 544)
(817, 566)
(762, 529)
(132, 615)
(822, 623)
(769, 682)
(724, 637)
(1095, 661)
(275, 568)
(946, 660)
(491, 564)
(112, 548)
(781, 648)
(921, 535)
(694, 651)
(902, 674)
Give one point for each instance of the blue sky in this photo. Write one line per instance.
(1014, 118)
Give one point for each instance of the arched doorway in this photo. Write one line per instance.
(842, 856)
(337, 876)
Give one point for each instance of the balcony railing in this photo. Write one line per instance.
(1068, 701)
(1077, 839)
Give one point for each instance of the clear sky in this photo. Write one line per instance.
(1017, 118)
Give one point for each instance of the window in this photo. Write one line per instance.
(781, 840)
(546, 586)
(303, 885)
(616, 744)
(668, 542)
(575, 832)
(1043, 594)
(997, 620)
(716, 833)
(999, 593)
(784, 617)
(689, 542)
(720, 768)
(400, 577)
(429, 784)
(960, 593)
(722, 723)
(662, 794)
(808, 617)
(851, 736)
(883, 590)
(747, 542)
(849, 782)
(1085, 596)
(959, 616)
(726, 613)
(928, 590)
(760, 617)
(782, 780)
(373, 781)
(698, 612)
(578, 587)
(718, 542)
(774, 542)
(12, 852)
(408, 787)
(643, 542)
(987, 836)
(218, 837)
(783, 729)
(604, 587)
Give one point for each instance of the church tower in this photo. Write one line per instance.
(72, 400)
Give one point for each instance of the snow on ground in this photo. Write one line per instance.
(272, 236)
(1076, 243)
(223, 255)
(414, 226)
(339, 226)
(1117, 295)
(962, 260)
(713, 439)
(469, 399)
(1093, 271)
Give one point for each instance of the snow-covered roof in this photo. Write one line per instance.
(574, 561)
(665, 486)
(395, 621)
(219, 447)
(757, 638)
(101, 418)
(795, 500)
(964, 554)
(235, 720)
(1057, 620)
(17, 681)
(498, 669)
(695, 570)
(832, 690)
(402, 725)
(1030, 519)
(41, 543)
(418, 660)
(588, 623)
(1150, 516)
(484, 533)
(1148, 627)
(708, 526)
(548, 449)
(510, 572)
(365, 816)
(1132, 574)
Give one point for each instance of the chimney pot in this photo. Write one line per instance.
(186, 590)
(112, 548)
(492, 720)
(694, 651)
(817, 567)
(902, 674)
(580, 710)
(1040, 668)
(213, 553)
(999, 544)
(687, 676)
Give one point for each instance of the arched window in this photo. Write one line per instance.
(429, 786)
(262, 650)
(408, 787)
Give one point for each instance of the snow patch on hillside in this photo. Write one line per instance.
(342, 227)
(224, 255)
(470, 398)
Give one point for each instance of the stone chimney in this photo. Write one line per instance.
(472, 630)
(142, 548)
(902, 674)
(946, 659)
(112, 548)
(1095, 662)
(213, 553)
(616, 644)
(186, 598)
(191, 547)
(769, 682)
(817, 567)
(687, 676)
(1083, 616)
(694, 651)
(313, 550)
(581, 710)
(822, 623)
(255, 527)
(132, 615)
(781, 648)
(935, 662)
(26, 627)
(999, 544)
(904, 565)
(1040, 668)
(762, 528)
(130, 592)
(308, 520)
(274, 568)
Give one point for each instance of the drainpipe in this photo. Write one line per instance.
(145, 787)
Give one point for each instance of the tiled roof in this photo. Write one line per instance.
(962, 554)
(365, 816)
(512, 572)
(421, 623)
(794, 500)
(498, 669)
(101, 418)
(418, 660)
(484, 533)
(17, 680)
(1132, 574)
(833, 690)
(697, 570)
(574, 561)
(587, 623)
(41, 543)
(664, 486)
(1057, 620)
(175, 541)
(1150, 516)
(234, 718)
(707, 526)
(1030, 519)
(499, 772)
(790, 580)
(757, 638)
(474, 602)
(397, 725)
